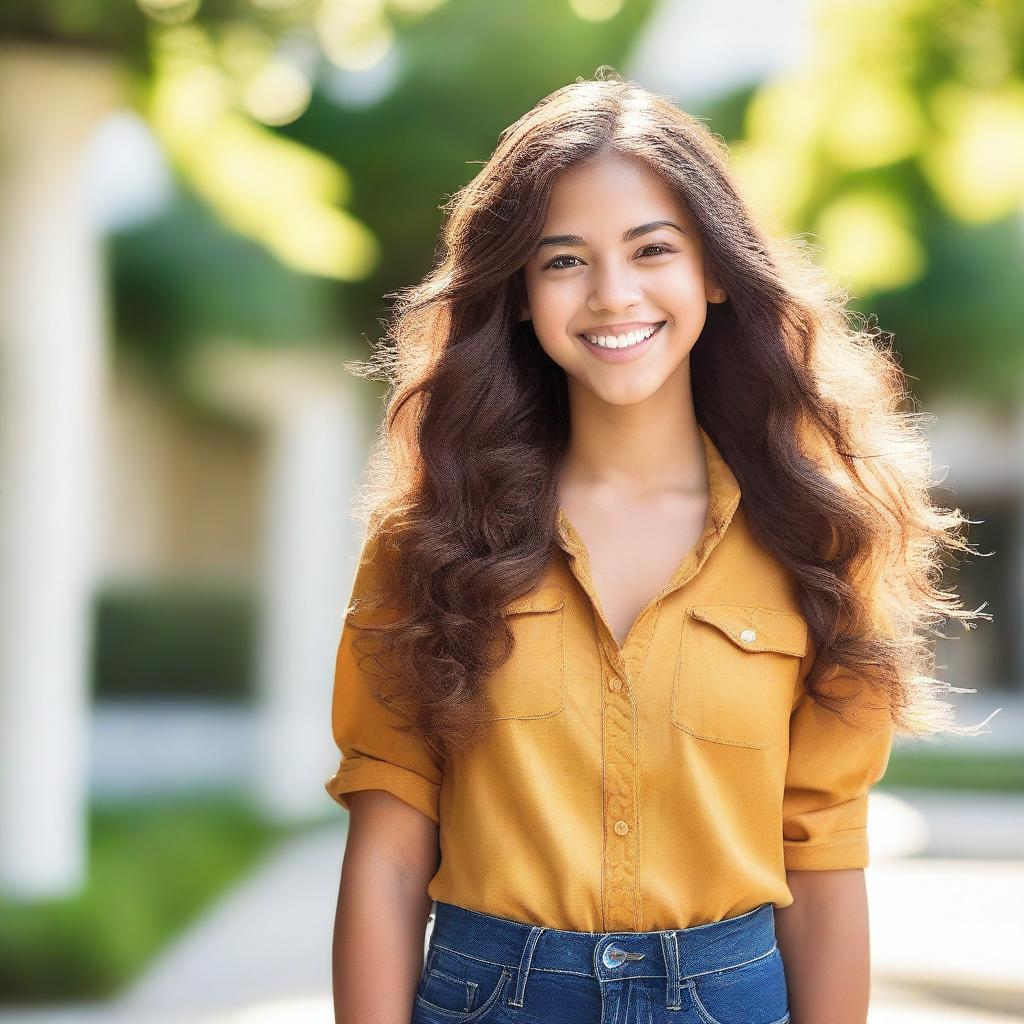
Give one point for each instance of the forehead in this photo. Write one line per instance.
(612, 191)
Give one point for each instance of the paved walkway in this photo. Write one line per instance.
(946, 930)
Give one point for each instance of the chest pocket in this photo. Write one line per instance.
(736, 672)
(531, 684)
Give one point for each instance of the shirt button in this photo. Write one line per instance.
(748, 636)
(615, 683)
(621, 827)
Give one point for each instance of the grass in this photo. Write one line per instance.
(153, 867)
(996, 773)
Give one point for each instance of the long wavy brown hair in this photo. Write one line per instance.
(806, 403)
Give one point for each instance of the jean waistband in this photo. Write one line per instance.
(674, 954)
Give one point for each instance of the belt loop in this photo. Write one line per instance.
(525, 961)
(670, 947)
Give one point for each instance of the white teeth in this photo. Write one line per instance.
(621, 340)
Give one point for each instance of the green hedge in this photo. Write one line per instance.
(153, 867)
(181, 639)
(995, 772)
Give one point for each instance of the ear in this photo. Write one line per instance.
(524, 311)
(714, 292)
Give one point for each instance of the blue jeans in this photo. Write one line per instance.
(490, 970)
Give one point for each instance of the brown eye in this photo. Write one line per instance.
(554, 264)
(558, 259)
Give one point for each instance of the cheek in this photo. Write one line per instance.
(554, 305)
(681, 285)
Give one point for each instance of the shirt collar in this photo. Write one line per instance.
(723, 487)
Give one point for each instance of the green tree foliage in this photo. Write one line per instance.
(898, 148)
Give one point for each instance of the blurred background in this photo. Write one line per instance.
(203, 204)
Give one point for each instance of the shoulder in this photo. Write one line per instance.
(374, 581)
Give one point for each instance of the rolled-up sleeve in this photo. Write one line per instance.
(374, 753)
(831, 768)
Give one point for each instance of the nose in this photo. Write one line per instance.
(614, 288)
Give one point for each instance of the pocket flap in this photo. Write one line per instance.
(543, 599)
(757, 629)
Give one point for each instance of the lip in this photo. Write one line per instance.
(621, 355)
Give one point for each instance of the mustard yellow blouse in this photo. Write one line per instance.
(665, 784)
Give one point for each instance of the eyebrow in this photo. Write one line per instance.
(628, 236)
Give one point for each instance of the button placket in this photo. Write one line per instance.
(621, 852)
(623, 667)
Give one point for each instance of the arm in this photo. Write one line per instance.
(823, 939)
(389, 782)
(380, 923)
(823, 934)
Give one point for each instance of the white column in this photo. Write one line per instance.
(52, 369)
(316, 455)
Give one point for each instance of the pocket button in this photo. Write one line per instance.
(748, 636)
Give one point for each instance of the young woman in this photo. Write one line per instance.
(640, 606)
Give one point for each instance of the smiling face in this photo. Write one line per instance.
(618, 257)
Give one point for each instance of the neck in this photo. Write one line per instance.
(635, 451)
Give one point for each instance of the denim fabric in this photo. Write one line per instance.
(490, 970)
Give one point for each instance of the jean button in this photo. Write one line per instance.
(612, 957)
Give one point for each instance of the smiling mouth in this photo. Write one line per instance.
(634, 344)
